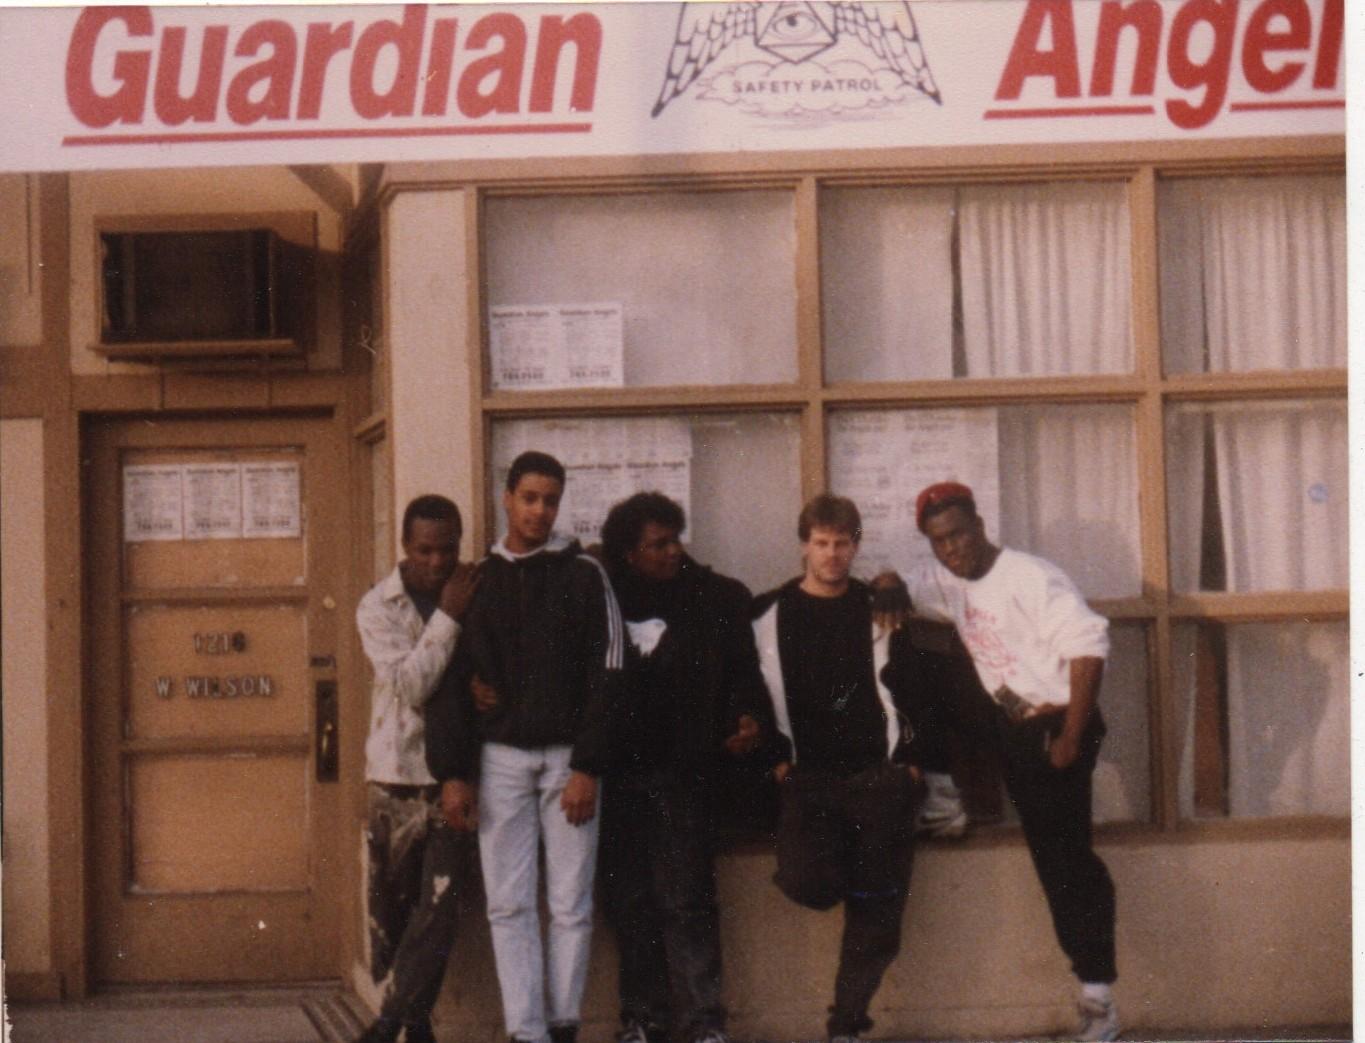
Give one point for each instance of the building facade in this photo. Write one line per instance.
(1088, 257)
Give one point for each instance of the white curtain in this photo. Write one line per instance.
(1282, 477)
(1068, 492)
(1289, 719)
(1253, 273)
(1045, 279)
(1253, 278)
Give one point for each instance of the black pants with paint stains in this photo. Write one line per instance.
(850, 839)
(417, 867)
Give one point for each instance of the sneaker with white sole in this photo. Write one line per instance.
(711, 1036)
(942, 814)
(1099, 1020)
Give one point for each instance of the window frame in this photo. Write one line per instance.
(1148, 390)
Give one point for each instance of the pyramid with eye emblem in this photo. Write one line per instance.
(793, 32)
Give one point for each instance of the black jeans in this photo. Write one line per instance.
(1054, 809)
(850, 839)
(657, 868)
(418, 866)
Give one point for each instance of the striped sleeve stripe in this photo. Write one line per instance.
(616, 651)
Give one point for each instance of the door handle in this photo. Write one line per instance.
(325, 752)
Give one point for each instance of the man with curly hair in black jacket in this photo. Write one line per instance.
(695, 693)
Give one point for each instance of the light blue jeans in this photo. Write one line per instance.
(519, 793)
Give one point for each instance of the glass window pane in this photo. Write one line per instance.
(976, 281)
(738, 477)
(1257, 495)
(886, 270)
(706, 280)
(1265, 718)
(1057, 481)
(1253, 273)
(1122, 780)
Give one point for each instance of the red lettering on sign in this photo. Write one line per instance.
(173, 108)
(1212, 73)
(401, 97)
(439, 64)
(506, 65)
(131, 68)
(276, 72)
(1277, 42)
(584, 31)
(246, 74)
(1261, 38)
(1329, 45)
(1027, 57)
(1144, 17)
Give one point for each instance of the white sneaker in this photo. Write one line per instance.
(942, 814)
(1099, 1019)
(633, 1032)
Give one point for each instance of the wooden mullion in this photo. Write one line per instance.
(994, 390)
(810, 339)
(599, 401)
(1213, 387)
(1162, 712)
(1268, 606)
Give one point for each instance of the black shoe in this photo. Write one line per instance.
(563, 1034)
(419, 1032)
(384, 1030)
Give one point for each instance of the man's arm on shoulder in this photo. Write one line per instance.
(749, 711)
(408, 667)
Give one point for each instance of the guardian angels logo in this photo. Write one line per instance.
(800, 62)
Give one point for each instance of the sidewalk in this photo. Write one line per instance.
(327, 1014)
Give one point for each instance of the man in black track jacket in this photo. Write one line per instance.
(518, 735)
(694, 692)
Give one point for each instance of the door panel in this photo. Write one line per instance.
(213, 548)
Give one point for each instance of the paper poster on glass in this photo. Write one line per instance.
(556, 346)
(152, 503)
(604, 461)
(271, 504)
(881, 459)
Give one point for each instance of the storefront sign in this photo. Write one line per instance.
(155, 87)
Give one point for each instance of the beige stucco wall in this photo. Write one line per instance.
(1210, 933)
(23, 682)
(429, 415)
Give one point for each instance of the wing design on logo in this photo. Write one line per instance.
(889, 32)
(704, 30)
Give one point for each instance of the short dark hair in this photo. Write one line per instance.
(626, 522)
(534, 462)
(828, 511)
(432, 508)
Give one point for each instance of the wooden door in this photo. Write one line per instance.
(215, 550)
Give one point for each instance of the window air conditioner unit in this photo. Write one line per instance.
(200, 294)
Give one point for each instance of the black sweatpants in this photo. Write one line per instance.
(659, 888)
(850, 839)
